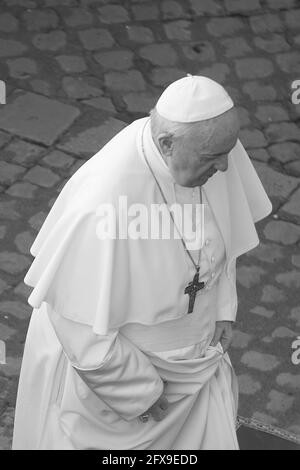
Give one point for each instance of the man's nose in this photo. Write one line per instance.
(222, 163)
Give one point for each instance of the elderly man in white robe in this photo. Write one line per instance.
(127, 344)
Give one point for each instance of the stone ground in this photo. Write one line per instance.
(77, 72)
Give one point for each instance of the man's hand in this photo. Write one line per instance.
(159, 409)
(223, 333)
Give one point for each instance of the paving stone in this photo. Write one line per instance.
(262, 311)
(21, 152)
(236, 47)
(202, 51)
(254, 67)
(145, 12)
(233, 92)
(81, 87)
(7, 428)
(159, 54)
(23, 290)
(293, 205)
(259, 361)
(289, 279)
(266, 23)
(75, 167)
(6, 332)
(23, 242)
(37, 220)
(8, 23)
(8, 211)
(78, 17)
(218, 72)
(296, 260)
(71, 63)
(224, 26)
(283, 332)
(247, 385)
(113, 14)
(171, 10)
(259, 154)
(269, 253)
(297, 39)
(267, 339)
(3, 230)
(264, 418)
(271, 113)
(10, 172)
(92, 139)
(281, 4)
(101, 103)
(3, 286)
(18, 117)
(259, 92)
(163, 76)
(12, 367)
(279, 402)
(17, 309)
(276, 43)
(295, 315)
(140, 102)
(41, 86)
(244, 116)
(248, 276)
(94, 39)
(10, 48)
(131, 80)
(276, 184)
(285, 152)
(272, 294)
(23, 190)
(207, 7)
(252, 138)
(13, 263)
(40, 20)
(242, 6)
(292, 18)
(140, 34)
(21, 3)
(240, 339)
(22, 67)
(289, 62)
(42, 176)
(55, 3)
(52, 41)
(115, 60)
(4, 138)
(178, 30)
(58, 159)
(282, 232)
(294, 168)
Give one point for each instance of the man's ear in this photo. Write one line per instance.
(165, 143)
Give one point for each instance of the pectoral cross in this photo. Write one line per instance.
(192, 289)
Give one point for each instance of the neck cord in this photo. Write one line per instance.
(196, 265)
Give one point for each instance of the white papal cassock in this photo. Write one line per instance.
(110, 327)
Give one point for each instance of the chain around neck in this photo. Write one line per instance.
(196, 265)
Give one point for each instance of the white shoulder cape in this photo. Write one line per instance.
(88, 280)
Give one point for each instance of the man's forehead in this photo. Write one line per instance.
(219, 146)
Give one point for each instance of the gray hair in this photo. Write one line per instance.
(161, 125)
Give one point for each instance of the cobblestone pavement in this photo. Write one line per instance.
(77, 72)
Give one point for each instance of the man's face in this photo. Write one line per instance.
(194, 157)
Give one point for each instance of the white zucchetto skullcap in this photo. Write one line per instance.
(193, 98)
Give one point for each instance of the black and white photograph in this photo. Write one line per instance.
(149, 227)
